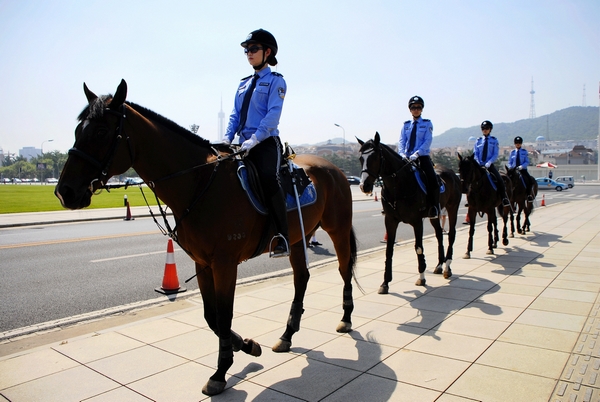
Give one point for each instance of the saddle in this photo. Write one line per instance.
(422, 180)
(307, 194)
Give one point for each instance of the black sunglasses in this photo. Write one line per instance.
(416, 107)
(252, 49)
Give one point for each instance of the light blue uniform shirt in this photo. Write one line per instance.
(424, 137)
(523, 158)
(492, 151)
(265, 106)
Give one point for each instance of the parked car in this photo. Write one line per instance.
(546, 183)
(353, 180)
(16, 180)
(6, 180)
(568, 180)
(51, 180)
(130, 181)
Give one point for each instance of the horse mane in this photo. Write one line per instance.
(96, 110)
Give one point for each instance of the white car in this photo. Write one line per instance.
(51, 180)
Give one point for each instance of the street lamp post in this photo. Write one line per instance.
(42, 146)
(344, 139)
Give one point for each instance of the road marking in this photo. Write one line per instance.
(47, 243)
(132, 256)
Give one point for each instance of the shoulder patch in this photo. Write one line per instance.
(276, 73)
(245, 78)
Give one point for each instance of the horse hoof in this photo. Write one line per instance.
(512, 235)
(213, 387)
(282, 346)
(344, 327)
(256, 349)
(489, 252)
(466, 256)
(383, 290)
(447, 274)
(420, 282)
(505, 242)
(438, 270)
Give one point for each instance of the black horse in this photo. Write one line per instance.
(483, 198)
(404, 201)
(519, 201)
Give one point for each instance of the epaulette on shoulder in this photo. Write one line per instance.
(276, 73)
(426, 120)
(491, 136)
(407, 121)
(245, 78)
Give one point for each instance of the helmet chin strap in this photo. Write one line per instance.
(259, 67)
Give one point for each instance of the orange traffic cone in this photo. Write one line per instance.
(170, 283)
(543, 204)
(467, 220)
(375, 196)
(128, 215)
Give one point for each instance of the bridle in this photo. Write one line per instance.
(104, 166)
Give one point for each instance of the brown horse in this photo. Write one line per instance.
(484, 199)
(403, 201)
(519, 200)
(215, 222)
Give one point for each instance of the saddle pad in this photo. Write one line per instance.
(492, 181)
(419, 175)
(308, 196)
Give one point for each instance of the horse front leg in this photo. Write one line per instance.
(391, 226)
(472, 214)
(452, 219)
(492, 228)
(418, 229)
(505, 227)
(217, 287)
(512, 224)
(301, 276)
(440, 241)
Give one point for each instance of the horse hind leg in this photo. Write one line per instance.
(347, 262)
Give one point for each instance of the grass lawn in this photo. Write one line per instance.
(40, 197)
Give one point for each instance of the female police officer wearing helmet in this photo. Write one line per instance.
(255, 120)
(519, 159)
(415, 141)
(485, 153)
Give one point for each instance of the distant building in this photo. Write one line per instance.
(579, 155)
(30, 152)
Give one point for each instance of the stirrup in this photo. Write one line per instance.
(277, 251)
(530, 198)
(433, 213)
(505, 202)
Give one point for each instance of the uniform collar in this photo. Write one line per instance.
(264, 72)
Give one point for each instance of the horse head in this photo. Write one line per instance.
(370, 160)
(98, 152)
(469, 171)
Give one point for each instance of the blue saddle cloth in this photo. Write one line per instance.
(421, 179)
(492, 181)
(308, 196)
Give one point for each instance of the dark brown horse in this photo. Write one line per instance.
(483, 198)
(520, 202)
(215, 222)
(403, 201)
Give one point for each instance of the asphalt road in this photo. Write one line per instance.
(51, 272)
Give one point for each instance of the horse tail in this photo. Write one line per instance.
(353, 257)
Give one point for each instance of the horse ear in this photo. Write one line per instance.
(377, 138)
(459, 156)
(89, 94)
(120, 95)
(361, 142)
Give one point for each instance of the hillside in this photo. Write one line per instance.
(577, 122)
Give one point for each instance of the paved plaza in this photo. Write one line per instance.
(520, 325)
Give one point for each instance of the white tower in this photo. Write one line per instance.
(532, 106)
(583, 102)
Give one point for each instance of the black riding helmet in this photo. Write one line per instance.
(416, 100)
(487, 124)
(266, 39)
(518, 140)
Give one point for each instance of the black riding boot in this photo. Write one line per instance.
(279, 213)
(434, 209)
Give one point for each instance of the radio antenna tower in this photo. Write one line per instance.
(583, 103)
(532, 106)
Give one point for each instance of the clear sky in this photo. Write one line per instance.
(354, 63)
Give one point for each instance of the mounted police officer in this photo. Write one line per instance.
(486, 152)
(255, 117)
(415, 143)
(520, 160)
